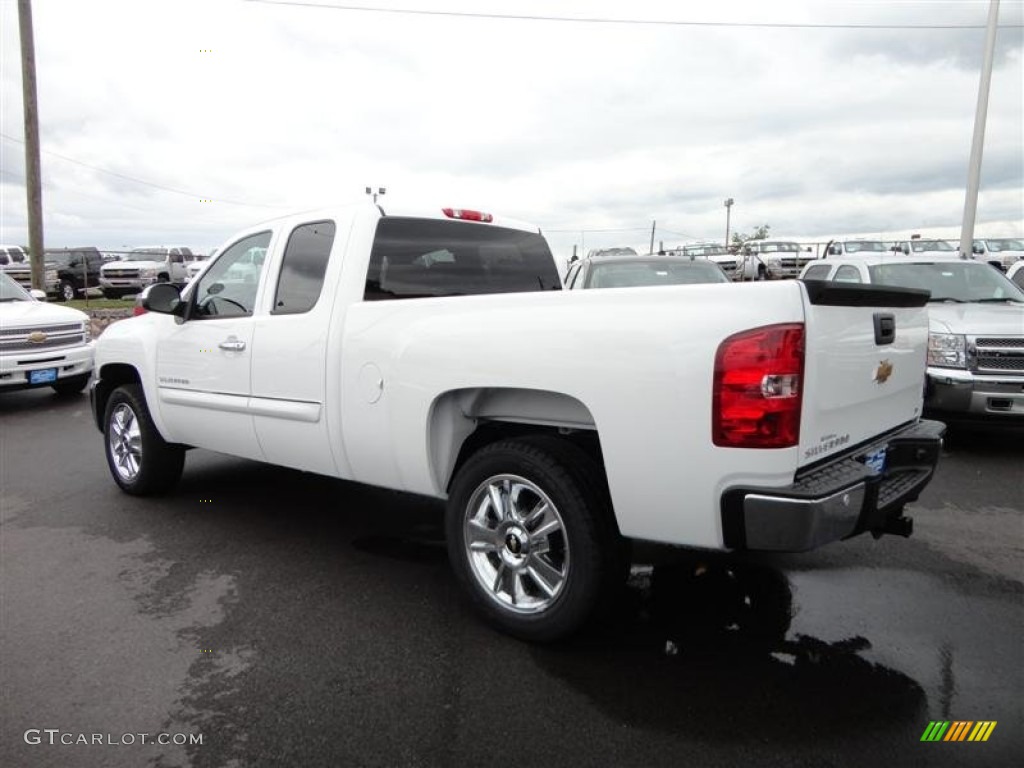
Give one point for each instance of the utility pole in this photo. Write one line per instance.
(978, 142)
(653, 225)
(728, 212)
(33, 176)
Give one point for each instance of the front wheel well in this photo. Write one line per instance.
(110, 377)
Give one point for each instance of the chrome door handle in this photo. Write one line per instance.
(232, 345)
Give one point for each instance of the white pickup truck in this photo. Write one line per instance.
(142, 267)
(436, 353)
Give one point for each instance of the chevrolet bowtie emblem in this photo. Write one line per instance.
(37, 337)
(883, 371)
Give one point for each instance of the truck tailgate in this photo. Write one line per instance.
(864, 365)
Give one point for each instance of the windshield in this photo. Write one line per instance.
(57, 258)
(779, 247)
(920, 246)
(636, 273)
(11, 291)
(704, 250)
(997, 246)
(146, 254)
(952, 281)
(865, 246)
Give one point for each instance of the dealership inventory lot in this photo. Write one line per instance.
(293, 619)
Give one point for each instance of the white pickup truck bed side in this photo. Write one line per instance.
(389, 392)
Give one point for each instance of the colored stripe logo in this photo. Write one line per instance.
(958, 730)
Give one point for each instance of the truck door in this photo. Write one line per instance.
(290, 351)
(204, 363)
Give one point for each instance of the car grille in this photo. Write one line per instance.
(120, 273)
(787, 263)
(65, 335)
(997, 354)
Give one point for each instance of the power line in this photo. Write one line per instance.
(192, 195)
(633, 22)
(575, 230)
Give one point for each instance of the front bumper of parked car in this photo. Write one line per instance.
(16, 367)
(953, 391)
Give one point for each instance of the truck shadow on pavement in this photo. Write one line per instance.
(708, 648)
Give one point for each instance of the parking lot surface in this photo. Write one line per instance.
(291, 619)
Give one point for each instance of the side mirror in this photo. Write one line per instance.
(164, 298)
(833, 250)
(978, 249)
(905, 250)
(38, 295)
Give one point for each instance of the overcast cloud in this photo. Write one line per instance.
(577, 127)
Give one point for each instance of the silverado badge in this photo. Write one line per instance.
(883, 371)
(37, 337)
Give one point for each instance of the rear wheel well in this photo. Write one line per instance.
(494, 431)
(111, 376)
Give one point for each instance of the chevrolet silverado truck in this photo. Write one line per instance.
(435, 352)
(142, 267)
(41, 345)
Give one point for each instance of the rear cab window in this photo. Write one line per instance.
(423, 258)
(303, 266)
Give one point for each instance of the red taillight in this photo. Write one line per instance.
(461, 213)
(757, 391)
(138, 309)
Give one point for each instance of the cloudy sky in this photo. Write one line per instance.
(180, 122)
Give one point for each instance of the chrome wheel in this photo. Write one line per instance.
(516, 544)
(125, 442)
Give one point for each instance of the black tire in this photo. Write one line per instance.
(66, 291)
(576, 488)
(163, 277)
(159, 464)
(72, 385)
(762, 272)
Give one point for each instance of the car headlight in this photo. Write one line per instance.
(87, 331)
(50, 276)
(947, 350)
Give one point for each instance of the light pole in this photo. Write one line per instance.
(380, 191)
(728, 211)
(978, 142)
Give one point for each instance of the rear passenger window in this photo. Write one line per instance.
(817, 272)
(847, 274)
(303, 268)
(420, 258)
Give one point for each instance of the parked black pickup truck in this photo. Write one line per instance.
(68, 272)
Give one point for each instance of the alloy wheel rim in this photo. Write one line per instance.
(125, 442)
(516, 544)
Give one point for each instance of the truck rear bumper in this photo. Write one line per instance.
(839, 499)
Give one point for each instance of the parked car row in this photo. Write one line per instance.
(70, 272)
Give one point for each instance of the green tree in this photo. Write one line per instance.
(760, 233)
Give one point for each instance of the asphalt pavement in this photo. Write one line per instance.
(286, 619)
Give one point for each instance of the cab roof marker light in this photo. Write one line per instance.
(465, 215)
